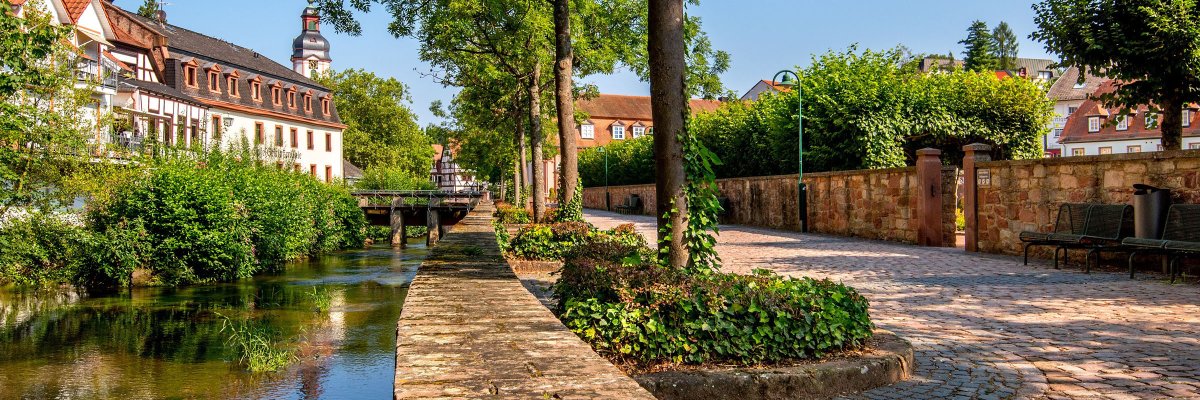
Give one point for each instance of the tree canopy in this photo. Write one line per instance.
(1006, 46)
(981, 50)
(1149, 47)
(381, 129)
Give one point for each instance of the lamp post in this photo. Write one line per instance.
(607, 206)
(802, 190)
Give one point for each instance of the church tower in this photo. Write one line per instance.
(310, 50)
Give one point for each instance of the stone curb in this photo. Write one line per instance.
(534, 266)
(891, 361)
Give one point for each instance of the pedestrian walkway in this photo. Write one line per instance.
(987, 327)
(469, 329)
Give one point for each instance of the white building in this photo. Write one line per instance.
(1069, 95)
(1094, 129)
(447, 175)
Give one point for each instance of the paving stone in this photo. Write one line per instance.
(985, 326)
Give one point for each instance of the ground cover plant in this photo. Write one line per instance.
(549, 242)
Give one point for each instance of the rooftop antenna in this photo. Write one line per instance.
(162, 14)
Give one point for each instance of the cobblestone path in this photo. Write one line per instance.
(987, 327)
(469, 329)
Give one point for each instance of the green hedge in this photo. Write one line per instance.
(560, 240)
(643, 314)
(40, 249)
(506, 214)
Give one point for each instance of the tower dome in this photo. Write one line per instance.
(310, 50)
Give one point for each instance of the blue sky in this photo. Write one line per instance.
(763, 36)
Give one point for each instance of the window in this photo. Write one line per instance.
(1151, 120)
(1194, 146)
(587, 131)
(312, 170)
(1187, 118)
(232, 82)
(618, 131)
(325, 106)
(328, 141)
(291, 98)
(308, 103)
(189, 75)
(258, 133)
(295, 138)
(296, 168)
(328, 174)
(1080, 85)
(310, 144)
(278, 136)
(1071, 110)
(1058, 132)
(275, 95)
(1105, 150)
(195, 131)
(1077, 152)
(1123, 123)
(1133, 149)
(214, 84)
(639, 131)
(1093, 124)
(256, 91)
(216, 127)
(1045, 75)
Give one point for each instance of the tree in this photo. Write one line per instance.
(981, 48)
(44, 117)
(149, 9)
(1149, 48)
(1006, 46)
(381, 130)
(669, 104)
(565, 102)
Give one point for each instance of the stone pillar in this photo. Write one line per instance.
(929, 198)
(398, 229)
(975, 153)
(434, 227)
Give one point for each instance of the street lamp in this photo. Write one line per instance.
(607, 206)
(802, 190)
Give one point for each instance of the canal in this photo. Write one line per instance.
(331, 320)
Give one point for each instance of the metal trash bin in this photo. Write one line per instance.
(1150, 206)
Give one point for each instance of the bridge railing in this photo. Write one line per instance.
(427, 198)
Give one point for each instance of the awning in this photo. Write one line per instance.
(93, 36)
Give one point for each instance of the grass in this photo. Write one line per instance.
(255, 345)
(320, 297)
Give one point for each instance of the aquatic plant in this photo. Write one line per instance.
(256, 345)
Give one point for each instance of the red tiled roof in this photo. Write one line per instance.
(615, 106)
(1067, 87)
(778, 87)
(17, 2)
(1076, 127)
(75, 8)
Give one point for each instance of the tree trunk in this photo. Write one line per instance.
(668, 102)
(536, 138)
(519, 178)
(565, 102)
(1171, 123)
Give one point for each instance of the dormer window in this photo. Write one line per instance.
(1093, 124)
(587, 131)
(1122, 123)
(307, 102)
(638, 131)
(325, 105)
(275, 95)
(618, 131)
(189, 76)
(256, 91)
(291, 98)
(214, 82)
(1151, 120)
(232, 83)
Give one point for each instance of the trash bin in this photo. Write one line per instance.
(1150, 206)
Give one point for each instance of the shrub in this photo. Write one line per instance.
(506, 214)
(637, 312)
(558, 241)
(40, 249)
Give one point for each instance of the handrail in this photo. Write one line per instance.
(415, 193)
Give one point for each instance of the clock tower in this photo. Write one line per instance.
(310, 50)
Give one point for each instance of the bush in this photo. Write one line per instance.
(506, 214)
(634, 311)
(558, 241)
(40, 249)
(393, 178)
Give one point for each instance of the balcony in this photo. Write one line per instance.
(90, 71)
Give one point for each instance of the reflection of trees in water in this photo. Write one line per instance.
(18, 307)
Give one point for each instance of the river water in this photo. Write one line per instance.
(336, 315)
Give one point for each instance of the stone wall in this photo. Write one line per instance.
(1015, 196)
(874, 204)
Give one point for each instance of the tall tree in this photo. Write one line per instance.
(148, 9)
(1149, 47)
(1006, 46)
(46, 113)
(381, 130)
(669, 103)
(980, 54)
(565, 102)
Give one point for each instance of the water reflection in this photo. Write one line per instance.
(339, 313)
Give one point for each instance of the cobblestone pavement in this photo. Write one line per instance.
(987, 327)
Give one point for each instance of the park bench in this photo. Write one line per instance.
(1105, 227)
(1181, 237)
(1071, 220)
(632, 205)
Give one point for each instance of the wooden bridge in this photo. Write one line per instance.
(402, 208)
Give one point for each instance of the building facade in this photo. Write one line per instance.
(447, 174)
(1068, 93)
(1094, 129)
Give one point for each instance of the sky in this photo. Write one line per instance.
(762, 36)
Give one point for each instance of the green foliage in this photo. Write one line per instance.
(506, 214)
(223, 219)
(980, 55)
(148, 9)
(634, 311)
(40, 250)
(560, 240)
(382, 131)
(1006, 45)
(256, 345)
(1148, 47)
(394, 178)
(44, 110)
(629, 162)
(704, 210)
(573, 210)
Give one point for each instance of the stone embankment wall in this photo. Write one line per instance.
(875, 204)
(1015, 196)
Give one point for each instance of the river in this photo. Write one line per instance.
(335, 315)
